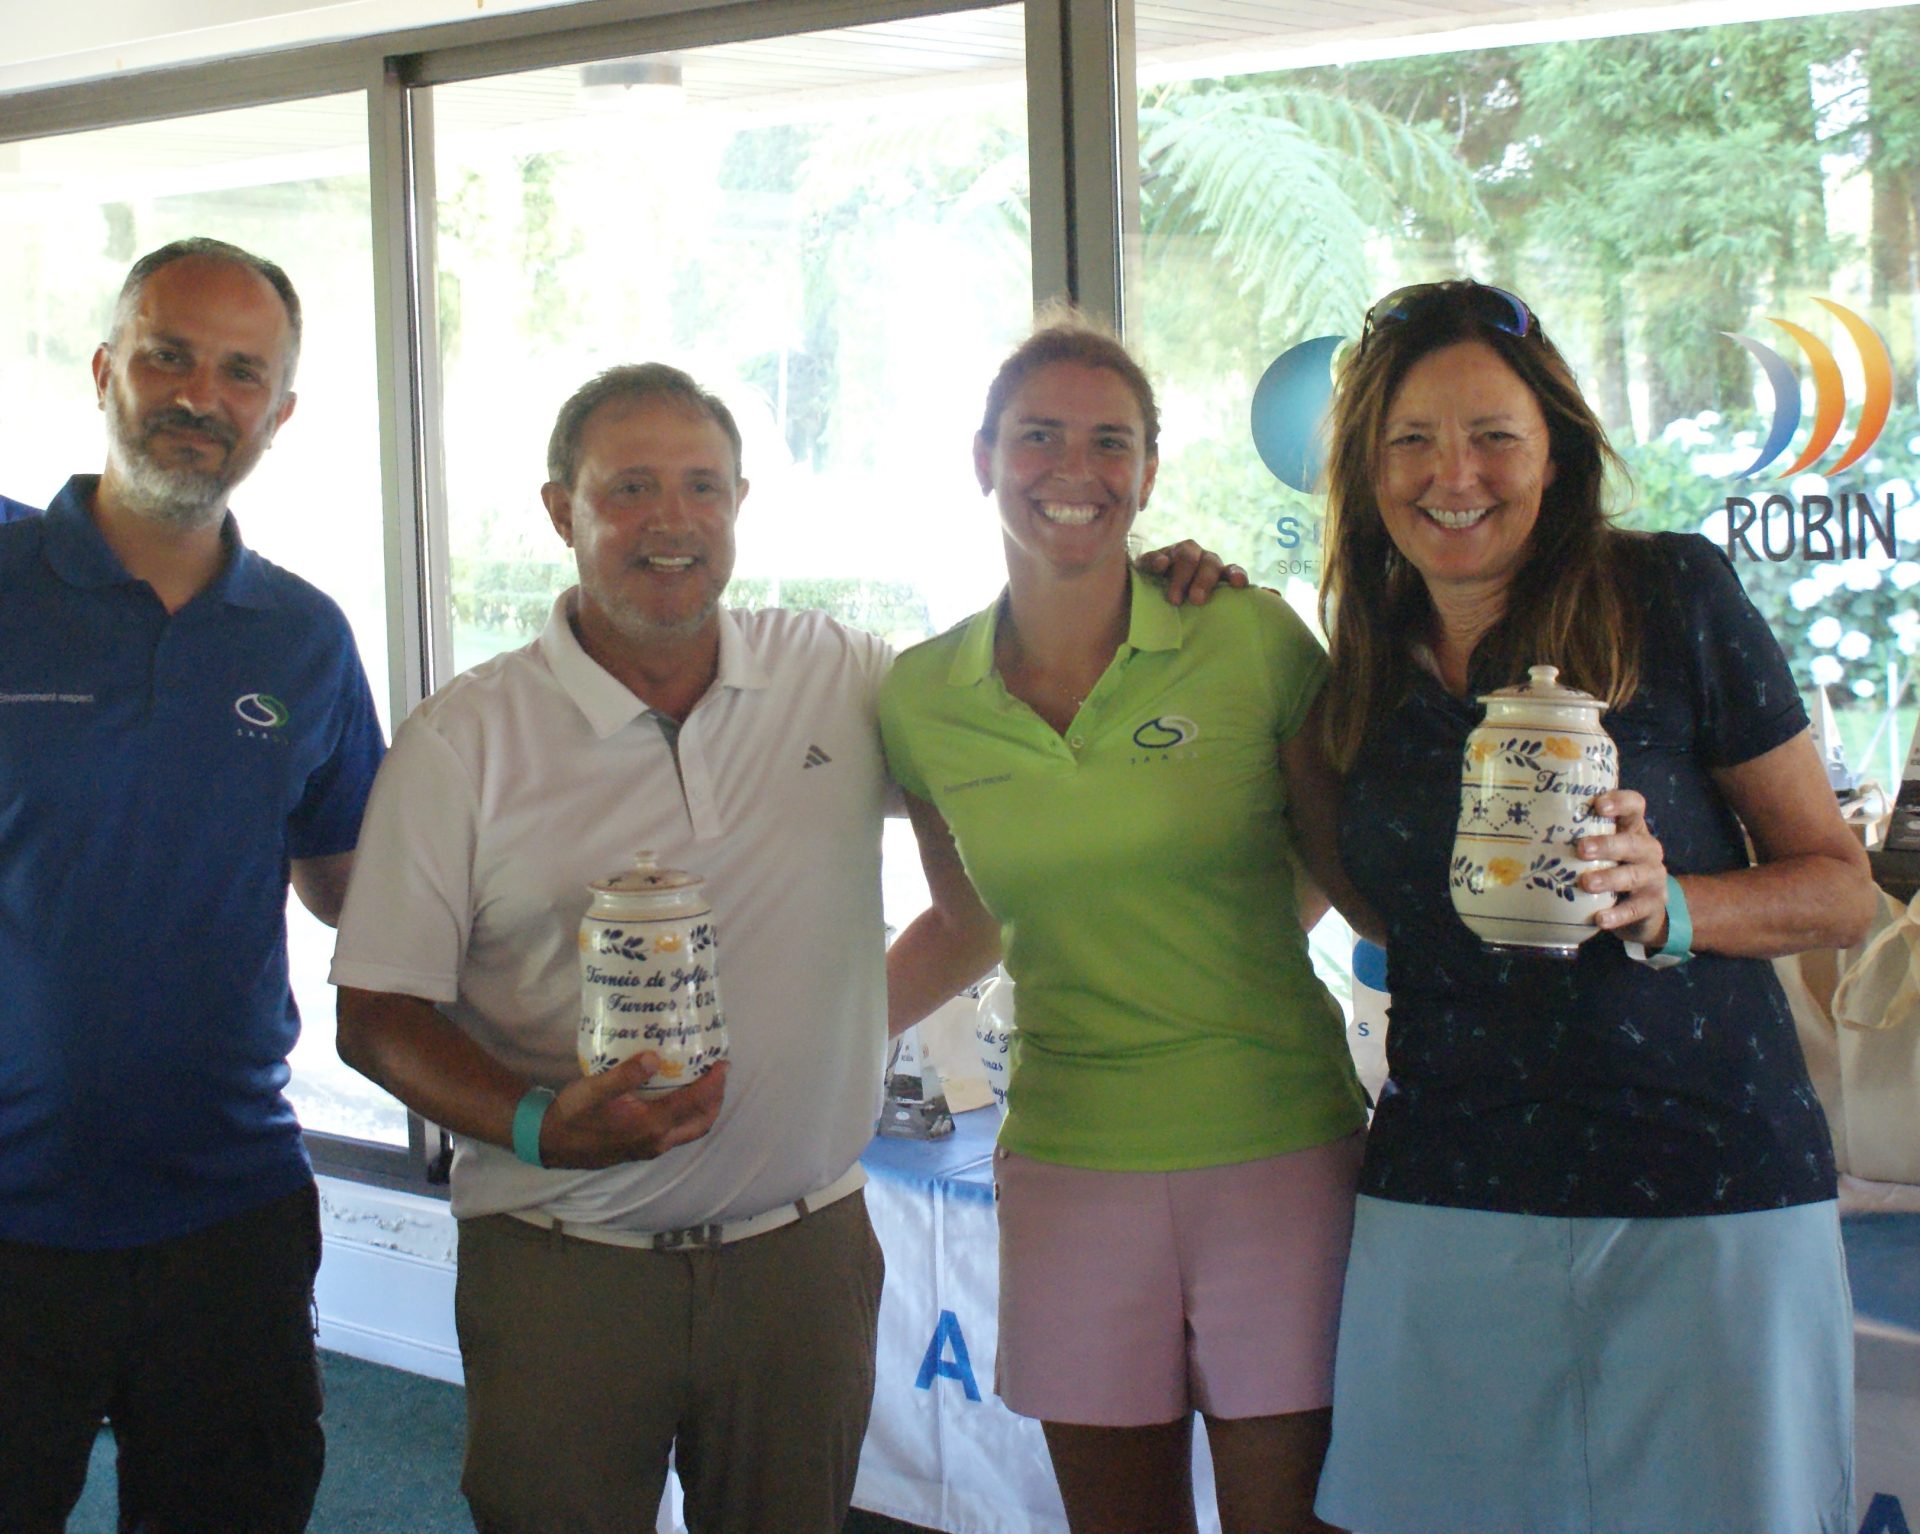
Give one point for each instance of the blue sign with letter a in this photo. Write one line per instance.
(1884, 1517)
(960, 1367)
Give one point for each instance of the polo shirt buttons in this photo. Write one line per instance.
(1078, 742)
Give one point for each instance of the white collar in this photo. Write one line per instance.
(608, 704)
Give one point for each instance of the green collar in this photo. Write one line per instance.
(1153, 623)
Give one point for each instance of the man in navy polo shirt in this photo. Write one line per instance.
(184, 730)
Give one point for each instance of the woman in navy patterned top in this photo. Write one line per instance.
(1596, 1281)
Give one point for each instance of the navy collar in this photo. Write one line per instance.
(80, 556)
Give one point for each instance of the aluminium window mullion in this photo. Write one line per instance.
(1083, 146)
(412, 481)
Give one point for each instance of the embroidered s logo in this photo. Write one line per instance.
(261, 710)
(1165, 732)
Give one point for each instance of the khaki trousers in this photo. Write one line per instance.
(587, 1362)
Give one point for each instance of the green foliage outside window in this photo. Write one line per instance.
(1646, 193)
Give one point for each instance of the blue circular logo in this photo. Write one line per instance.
(1289, 417)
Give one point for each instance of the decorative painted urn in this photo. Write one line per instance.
(648, 955)
(1528, 779)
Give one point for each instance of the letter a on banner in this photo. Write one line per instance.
(1884, 1517)
(959, 1367)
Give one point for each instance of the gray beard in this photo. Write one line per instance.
(183, 499)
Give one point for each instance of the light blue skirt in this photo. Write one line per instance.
(1516, 1374)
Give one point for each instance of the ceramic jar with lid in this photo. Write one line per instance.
(993, 1029)
(1528, 778)
(648, 960)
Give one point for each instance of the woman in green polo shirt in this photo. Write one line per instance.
(1107, 788)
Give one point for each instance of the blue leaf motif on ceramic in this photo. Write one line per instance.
(1548, 873)
(1467, 875)
(618, 941)
(1520, 751)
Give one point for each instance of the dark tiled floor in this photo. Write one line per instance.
(393, 1442)
(859, 1522)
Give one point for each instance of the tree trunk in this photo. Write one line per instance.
(1891, 260)
(1616, 404)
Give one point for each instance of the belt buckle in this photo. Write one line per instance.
(691, 1236)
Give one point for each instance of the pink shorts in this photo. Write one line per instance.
(1130, 1298)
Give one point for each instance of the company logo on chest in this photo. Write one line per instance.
(1163, 738)
(1153, 742)
(262, 717)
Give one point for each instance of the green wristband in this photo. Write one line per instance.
(527, 1118)
(1679, 943)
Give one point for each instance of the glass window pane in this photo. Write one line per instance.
(290, 183)
(829, 231)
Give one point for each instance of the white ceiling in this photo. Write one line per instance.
(44, 43)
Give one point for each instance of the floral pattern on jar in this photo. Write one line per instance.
(1528, 778)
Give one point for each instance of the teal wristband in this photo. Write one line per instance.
(527, 1119)
(1679, 943)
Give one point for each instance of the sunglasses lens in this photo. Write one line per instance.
(1491, 306)
(1515, 319)
(1404, 303)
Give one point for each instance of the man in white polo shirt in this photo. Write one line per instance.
(608, 1304)
(629, 1282)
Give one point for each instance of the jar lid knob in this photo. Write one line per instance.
(646, 876)
(1543, 676)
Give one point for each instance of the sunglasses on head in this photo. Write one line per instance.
(1495, 308)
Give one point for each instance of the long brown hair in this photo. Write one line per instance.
(1566, 605)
